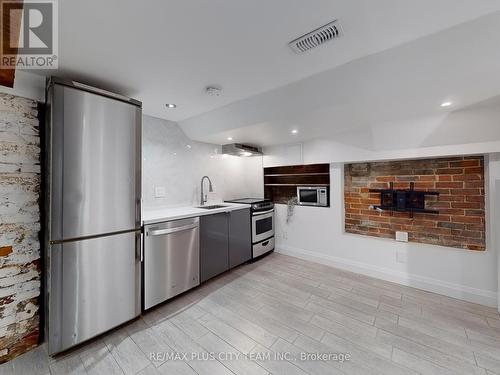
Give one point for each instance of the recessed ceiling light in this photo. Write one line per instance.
(170, 105)
(445, 104)
(229, 138)
(295, 131)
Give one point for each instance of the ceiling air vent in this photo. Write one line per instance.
(316, 37)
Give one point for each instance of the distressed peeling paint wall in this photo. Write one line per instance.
(19, 225)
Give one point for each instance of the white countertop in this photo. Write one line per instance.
(158, 215)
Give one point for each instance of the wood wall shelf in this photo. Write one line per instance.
(280, 183)
(296, 174)
(295, 185)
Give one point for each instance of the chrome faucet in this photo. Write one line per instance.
(203, 197)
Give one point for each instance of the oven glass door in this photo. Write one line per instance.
(308, 196)
(262, 226)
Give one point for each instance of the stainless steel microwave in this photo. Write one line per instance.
(312, 196)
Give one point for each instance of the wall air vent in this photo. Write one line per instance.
(316, 37)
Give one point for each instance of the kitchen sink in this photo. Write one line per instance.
(212, 207)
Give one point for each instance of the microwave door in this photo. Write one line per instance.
(308, 196)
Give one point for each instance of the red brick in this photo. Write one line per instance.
(466, 219)
(444, 178)
(402, 185)
(369, 213)
(470, 205)
(476, 170)
(388, 232)
(467, 177)
(467, 233)
(465, 163)
(438, 205)
(352, 222)
(424, 185)
(474, 184)
(443, 191)
(465, 191)
(450, 171)
(386, 178)
(474, 213)
(358, 205)
(452, 198)
(479, 227)
(474, 198)
(449, 185)
(460, 222)
(428, 178)
(476, 247)
(370, 201)
(451, 211)
(380, 219)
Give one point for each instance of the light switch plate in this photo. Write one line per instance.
(160, 192)
(402, 236)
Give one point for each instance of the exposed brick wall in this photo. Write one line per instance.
(459, 180)
(19, 226)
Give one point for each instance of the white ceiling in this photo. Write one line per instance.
(400, 88)
(168, 51)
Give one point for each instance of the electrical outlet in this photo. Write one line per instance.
(160, 192)
(402, 236)
(285, 235)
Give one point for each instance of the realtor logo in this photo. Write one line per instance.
(29, 34)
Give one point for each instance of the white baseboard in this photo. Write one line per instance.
(480, 296)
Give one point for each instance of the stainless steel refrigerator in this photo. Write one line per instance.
(93, 212)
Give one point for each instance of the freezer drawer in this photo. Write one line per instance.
(94, 287)
(171, 259)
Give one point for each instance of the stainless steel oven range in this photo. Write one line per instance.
(262, 211)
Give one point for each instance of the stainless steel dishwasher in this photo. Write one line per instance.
(171, 259)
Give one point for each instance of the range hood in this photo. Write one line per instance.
(239, 149)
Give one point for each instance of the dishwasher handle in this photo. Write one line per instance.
(160, 232)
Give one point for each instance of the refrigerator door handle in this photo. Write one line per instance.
(138, 211)
(142, 248)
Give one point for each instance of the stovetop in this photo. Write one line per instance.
(256, 204)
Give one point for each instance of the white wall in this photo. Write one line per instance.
(494, 213)
(497, 234)
(27, 85)
(318, 234)
(172, 160)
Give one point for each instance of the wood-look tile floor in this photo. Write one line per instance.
(282, 305)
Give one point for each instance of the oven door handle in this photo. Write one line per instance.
(262, 212)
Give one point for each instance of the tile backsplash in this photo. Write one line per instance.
(173, 166)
